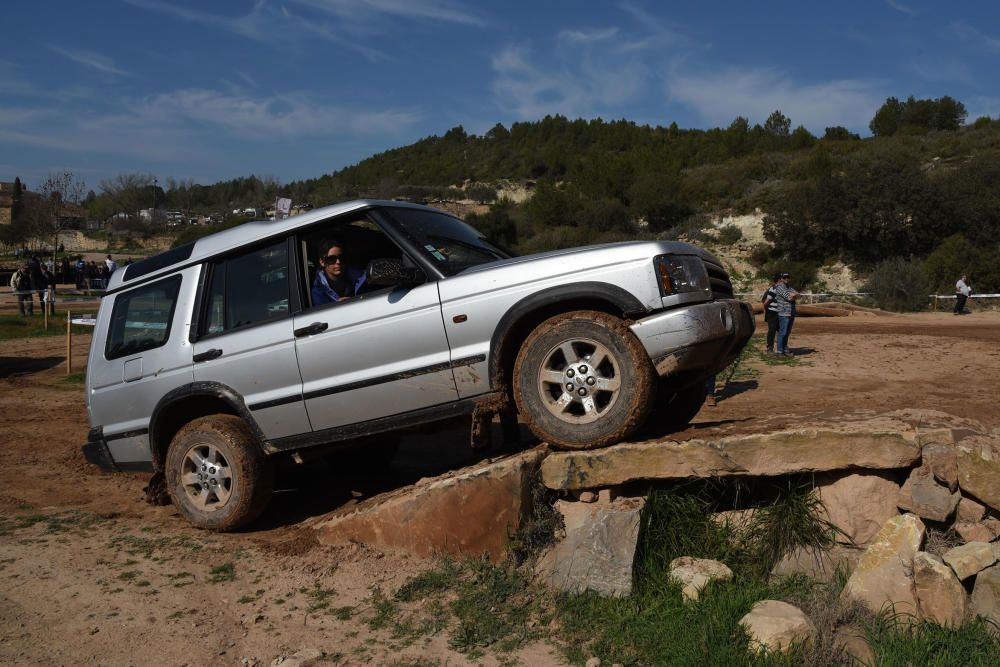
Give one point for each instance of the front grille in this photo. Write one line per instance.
(717, 276)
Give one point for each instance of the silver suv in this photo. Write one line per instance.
(270, 338)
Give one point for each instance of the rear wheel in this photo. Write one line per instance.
(216, 475)
(583, 380)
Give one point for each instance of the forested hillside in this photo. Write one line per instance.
(923, 191)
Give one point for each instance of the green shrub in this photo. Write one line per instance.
(899, 285)
(803, 272)
(729, 234)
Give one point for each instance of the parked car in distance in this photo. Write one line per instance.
(211, 359)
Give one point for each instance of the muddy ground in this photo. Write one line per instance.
(90, 574)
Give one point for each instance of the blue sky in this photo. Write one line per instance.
(298, 88)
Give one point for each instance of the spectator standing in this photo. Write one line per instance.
(47, 288)
(962, 291)
(111, 264)
(771, 313)
(81, 272)
(20, 282)
(785, 297)
(38, 280)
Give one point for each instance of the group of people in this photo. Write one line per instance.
(33, 276)
(779, 313)
(94, 275)
(37, 276)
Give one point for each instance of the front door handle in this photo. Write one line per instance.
(314, 328)
(214, 353)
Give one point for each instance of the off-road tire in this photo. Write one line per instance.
(674, 410)
(251, 477)
(616, 413)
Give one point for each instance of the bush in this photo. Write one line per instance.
(729, 234)
(900, 285)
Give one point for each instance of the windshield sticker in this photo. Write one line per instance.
(435, 252)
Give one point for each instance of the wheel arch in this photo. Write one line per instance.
(522, 318)
(189, 402)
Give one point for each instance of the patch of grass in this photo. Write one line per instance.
(146, 546)
(319, 598)
(74, 378)
(222, 573)
(437, 580)
(129, 575)
(385, 611)
(494, 604)
(176, 615)
(343, 613)
(54, 523)
(906, 641)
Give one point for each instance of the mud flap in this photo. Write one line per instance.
(156, 489)
(481, 436)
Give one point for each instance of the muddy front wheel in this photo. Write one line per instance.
(583, 380)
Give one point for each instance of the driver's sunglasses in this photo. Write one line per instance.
(334, 259)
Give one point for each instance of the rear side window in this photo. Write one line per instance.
(141, 318)
(248, 289)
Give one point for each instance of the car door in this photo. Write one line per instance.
(381, 353)
(245, 339)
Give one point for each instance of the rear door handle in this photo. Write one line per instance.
(314, 328)
(214, 353)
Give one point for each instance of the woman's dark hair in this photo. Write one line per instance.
(324, 247)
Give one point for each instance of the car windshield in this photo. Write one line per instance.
(450, 244)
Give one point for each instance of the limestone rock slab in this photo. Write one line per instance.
(940, 596)
(979, 469)
(693, 574)
(598, 549)
(858, 504)
(466, 512)
(970, 558)
(875, 444)
(925, 497)
(777, 626)
(883, 573)
(985, 600)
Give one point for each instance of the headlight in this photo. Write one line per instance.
(681, 273)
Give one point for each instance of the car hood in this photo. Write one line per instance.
(600, 253)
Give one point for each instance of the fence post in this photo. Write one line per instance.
(935, 303)
(69, 343)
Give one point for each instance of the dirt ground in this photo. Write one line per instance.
(90, 574)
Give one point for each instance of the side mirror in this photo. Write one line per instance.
(387, 272)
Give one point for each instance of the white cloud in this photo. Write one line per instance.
(588, 36)
(720, 96)
(975, 36)
(900, 7)
(366, 10)
(90, 59)
(578, 86)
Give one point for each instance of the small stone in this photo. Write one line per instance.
(858, 504)
(607, 495)
(969, 510)
(883, 573)
(923, 496)
(970, 558)
(943, 462)
(940, 596)
(985, 600)
(974, 531)
(593, 662)
(305, 657)
(693, 574)
(777, 626)
(588, 497)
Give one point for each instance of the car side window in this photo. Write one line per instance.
(352, 244)
(249, 288)
(140, 319)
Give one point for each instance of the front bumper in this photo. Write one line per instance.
(696, 341)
